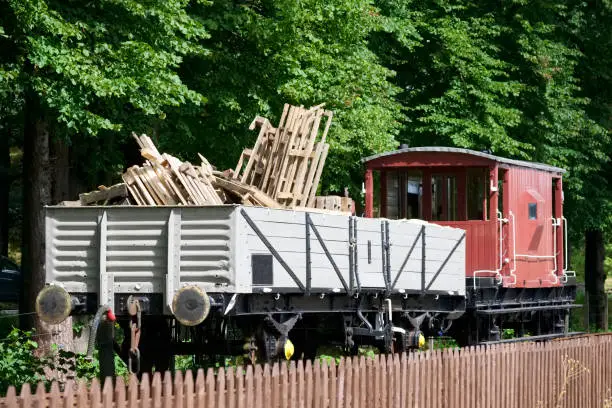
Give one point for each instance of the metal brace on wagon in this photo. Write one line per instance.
(135, 312)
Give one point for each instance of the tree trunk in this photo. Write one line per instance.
(61, 165)
(37, 188)
(595, 277)
(36, 194)
(5, 188)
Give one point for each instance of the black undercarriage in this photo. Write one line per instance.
(258, 326)
(495, 314)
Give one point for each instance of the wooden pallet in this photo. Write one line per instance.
(334, 203)
(282, 170)
(103, 196)
(286, 162)
(165, 180)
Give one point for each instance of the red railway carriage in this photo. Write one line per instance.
(511, 210)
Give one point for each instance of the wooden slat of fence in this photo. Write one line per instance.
(505, 380)
(188, 390)
(263, 382)
(364, 381)
(376, 378)
(301, 384)
(593, 385)
(481, 380)
(574, 386)
(274, 387)
(340, 385)
(221, 388)
(350, 390)
(450, 376)
(604, 371)
(248, 385)
(465, 379)
(230, 386)
(587, 354)
(419, 390)
(292, 383)
(530, 375)
(168, 400)
(240, 401)
(426, 378)
(308, 396)
(284, 384)
(95, 394)
(493, 382)
(333, 372)
(522, 389)
(10, 401)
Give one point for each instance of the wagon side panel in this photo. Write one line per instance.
(278, 248)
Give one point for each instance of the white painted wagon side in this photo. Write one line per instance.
(236, 249)
(444, 257)
(109, 250)
(285, 231)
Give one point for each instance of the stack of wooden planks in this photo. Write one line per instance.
(287, 161)
(165, 180)
(335, 203)
(282, 170)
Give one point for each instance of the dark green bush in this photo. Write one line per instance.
(18, 363)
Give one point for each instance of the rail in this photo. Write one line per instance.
(513, 269)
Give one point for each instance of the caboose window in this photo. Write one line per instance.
(533, 211)
(477, 194)
(403, 194)
(444, 198)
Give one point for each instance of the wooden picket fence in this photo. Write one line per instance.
(566, 373)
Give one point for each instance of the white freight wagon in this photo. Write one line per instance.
(240, 261)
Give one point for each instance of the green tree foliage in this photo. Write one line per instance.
(94, 65)
(266, 53)
(594, 38)
(99, 69)
(457, 89)
(18, 364)
(485, 75)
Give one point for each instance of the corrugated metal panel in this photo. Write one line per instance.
(369, 253)
(129, 245)
(72, 248)
(205, 250)
(286, 232)
(136, 249)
